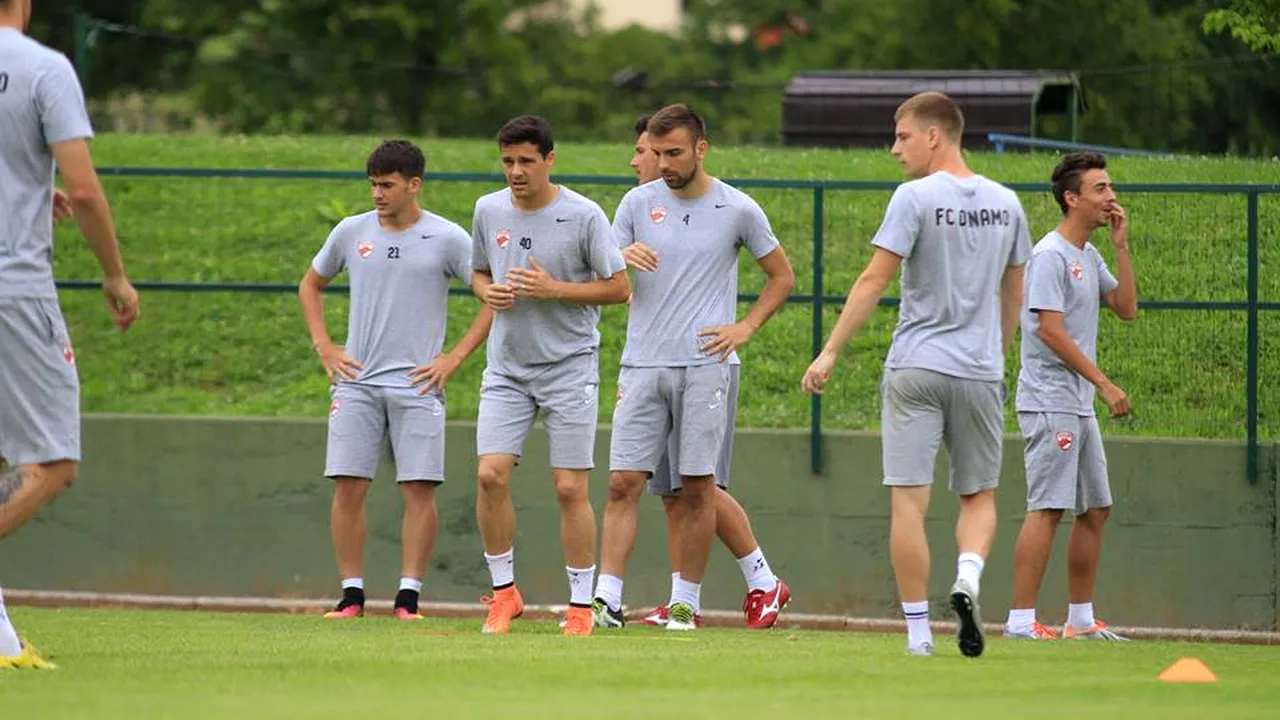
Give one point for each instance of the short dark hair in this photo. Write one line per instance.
(531, 129)
(934, 108)
(672, 117)
(1066, 176)
(396, 156)
(642, 125)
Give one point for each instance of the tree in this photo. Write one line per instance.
(1256, 23)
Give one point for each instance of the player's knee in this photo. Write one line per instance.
(59, 476)
(625, 487)
(1095, 518)
(570, 489)
(349, 492)
(492, 479)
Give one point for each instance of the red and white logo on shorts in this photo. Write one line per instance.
(658, 214)
(503, 237)
(333, 407)
(621, 393)
(68, 353)
(1077, 270)
(1065, 440)
(365, 248)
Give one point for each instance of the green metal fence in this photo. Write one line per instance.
(824, 293)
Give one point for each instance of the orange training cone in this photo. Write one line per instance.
(1188, 670)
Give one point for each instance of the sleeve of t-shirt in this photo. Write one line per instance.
(755, 232)
(479, 248)
(1106, 281)
(1021, 250)
(1046, 283)
(459, 257)
(623, 223)
(332, 258)
(60, 103)
(600, 250)
(901, 224)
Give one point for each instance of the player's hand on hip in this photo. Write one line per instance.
(337, 364)
(533, 281)
(435, 373)
(640, 256)
(1118, 220)
(122, 301)
(1115, 398)
(499, 297)
(62, 209)
(724, 340)
(815, 378)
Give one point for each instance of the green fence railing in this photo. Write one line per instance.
(818, 298)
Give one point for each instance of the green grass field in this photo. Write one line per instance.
(248, 354)
(158, 664)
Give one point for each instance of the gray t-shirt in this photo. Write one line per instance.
(399, 290)
(695, 286)
(41, 104)
(570, 239)
(956, 237)
(1061, 278)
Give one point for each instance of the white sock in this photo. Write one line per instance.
(502, 568)
(357, 583)
(969, 569)
(10, 646)
(1021, 619)
(408, 583)
(609, 589)
(687, 592)
(675, 578)
(918, 630)
(755, 570)
(1080, 616)
(580, 582)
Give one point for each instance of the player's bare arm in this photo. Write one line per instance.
(436, 373)
(495, 296)
(1054, 334)
(89, 204)
(863, 299)
(1123, 301)
(640, 257)
(1010, 304)
(723, 341)
(535, 282)
(333, 357)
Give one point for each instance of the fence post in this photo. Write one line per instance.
(815, 402)
(1251, 368)
(82, 27)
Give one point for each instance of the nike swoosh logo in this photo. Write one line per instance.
(718, 205)
(426, 237)
(560, 220)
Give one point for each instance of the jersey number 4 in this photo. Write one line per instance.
(393, 252)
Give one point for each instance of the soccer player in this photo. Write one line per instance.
(961, 241)
(1067, 280)
(544, 260)
(678, 383)
(389, 379)
(42, 121)
(766, 592)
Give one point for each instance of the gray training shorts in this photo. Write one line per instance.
(682, 413)
(567, 394)
(665, 480)
(1065, 463)
(362, 416)
(922, 409)
(39, 387)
